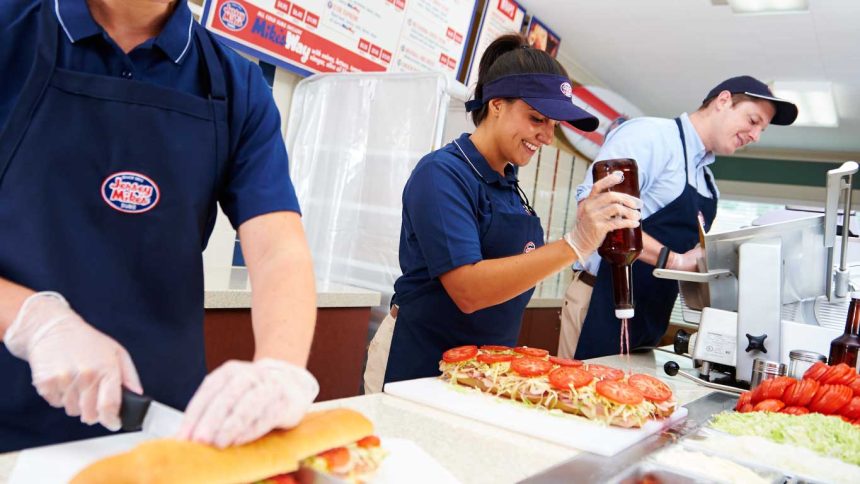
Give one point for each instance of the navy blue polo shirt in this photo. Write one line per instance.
(448, 205)
(258, 181)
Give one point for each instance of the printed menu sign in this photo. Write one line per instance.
(500, 17)
(541, 37)
(310, 36)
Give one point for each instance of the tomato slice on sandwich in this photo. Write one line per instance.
(653, 389)
(528, 366)
(619, 392)
(533, 352)
(493, 358)
(602, 372)
(563, 378)
(460, 353)
(496, 348)
(565, 362)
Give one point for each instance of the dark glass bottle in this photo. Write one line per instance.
(621, 247)
(844, 348)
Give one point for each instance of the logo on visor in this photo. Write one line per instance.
(566, 89)
(233, 15)
(529, 247)
(130, 192)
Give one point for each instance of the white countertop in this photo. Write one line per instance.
(229, 287)
(472, 451)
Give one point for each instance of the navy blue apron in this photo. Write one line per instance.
(428, 321)
(108, 195)
(676, 227)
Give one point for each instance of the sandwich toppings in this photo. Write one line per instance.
(533, 377)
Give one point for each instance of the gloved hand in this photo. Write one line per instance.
(73, 365)
(688, 261)
(242, 401)
(600, 213)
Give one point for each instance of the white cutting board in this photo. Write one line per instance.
(563, 429)
(59, 463)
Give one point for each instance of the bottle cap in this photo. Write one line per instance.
(624, 313)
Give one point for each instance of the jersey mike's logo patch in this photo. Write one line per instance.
(566, 89)
(130, 192)
(233, 15)
(530, 246)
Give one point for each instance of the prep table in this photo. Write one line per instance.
(472, 451)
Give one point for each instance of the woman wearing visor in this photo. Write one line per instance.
(471, 247)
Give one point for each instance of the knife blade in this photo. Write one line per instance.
(142, 413)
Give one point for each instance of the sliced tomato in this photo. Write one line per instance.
(745, 398)
(855, 386)
(492, 358)
(759, 391)
(840, 374)
(533, 352)
(336, 458)
(852, 409)
(801, 393)
(748, 407)
(795, 410)
(769, 405)
(562, 378)
(620, 392)
(528, 366)
(565, 362)
(369, 441)
(282, 479)
(829, 399)
(777, 387)
(496, 348)
(460, 353)
(653, 389)
(602, 372)
(816, 370)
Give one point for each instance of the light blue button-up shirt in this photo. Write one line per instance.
(655, 144)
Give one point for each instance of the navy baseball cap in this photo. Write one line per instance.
(549, 94)
(786, 111)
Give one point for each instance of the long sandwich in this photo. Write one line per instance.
(339, 442)
(532, 376)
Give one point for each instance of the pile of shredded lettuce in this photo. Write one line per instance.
(829, 436)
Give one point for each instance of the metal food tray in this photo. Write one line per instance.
(653, 473)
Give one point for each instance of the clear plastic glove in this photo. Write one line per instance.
(73, 365)
(242, 401)
(600, 213)
(688, 261)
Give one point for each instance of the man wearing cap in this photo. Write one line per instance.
(471, 247)
(678, 194)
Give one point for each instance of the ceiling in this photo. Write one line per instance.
(665, 55)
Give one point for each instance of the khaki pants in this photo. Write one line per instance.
(377, 355)
(576, 300)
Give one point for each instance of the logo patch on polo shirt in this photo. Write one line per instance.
(566, 89)
(529, 247)
(130, 192)
(233, 15)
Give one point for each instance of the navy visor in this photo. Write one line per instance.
(549, 94)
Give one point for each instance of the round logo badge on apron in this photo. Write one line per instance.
(529, 247)
(130, 192)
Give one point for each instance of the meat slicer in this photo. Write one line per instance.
(769, 289)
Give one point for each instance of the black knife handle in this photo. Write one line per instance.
(133, 409)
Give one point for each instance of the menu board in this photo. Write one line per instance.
(541, 37)
(311, 36)
(500, 17)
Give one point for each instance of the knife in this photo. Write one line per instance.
(142, 413)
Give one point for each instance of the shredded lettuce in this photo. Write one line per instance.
(828, 436)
